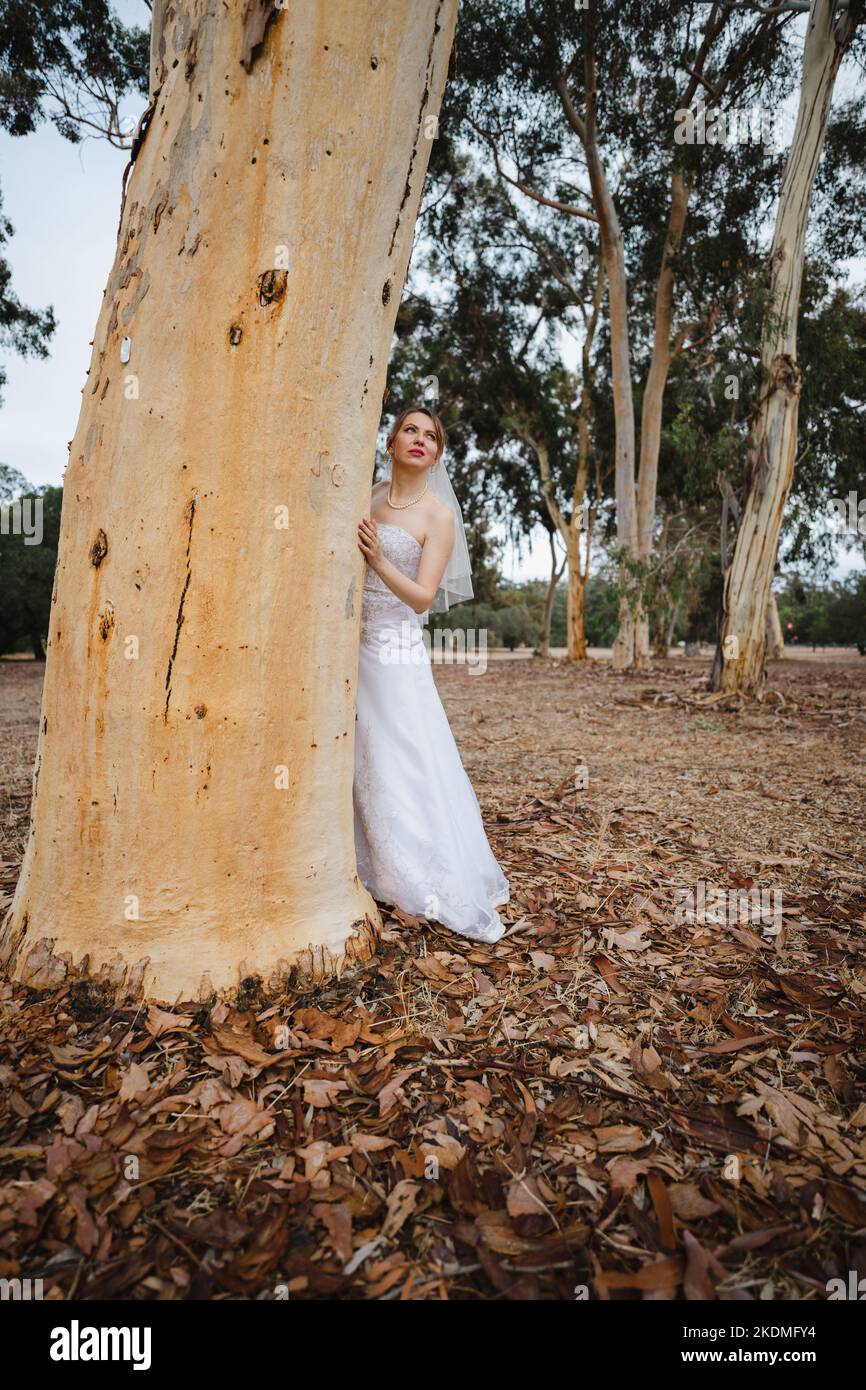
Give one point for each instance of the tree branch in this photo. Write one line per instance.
(524, 188)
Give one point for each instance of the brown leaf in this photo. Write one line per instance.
(524, 1199)
(158, 1022)
(696, 1282)
(663, 1274)
(401, 1203)
(228, 1040)
(135, 1082)
(321, 1091)
(663, 1210)
(391, 1091)
(337, 1220)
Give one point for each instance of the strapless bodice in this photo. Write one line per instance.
(380, 608)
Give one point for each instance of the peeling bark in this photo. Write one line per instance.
(257, 18)
(740, 657)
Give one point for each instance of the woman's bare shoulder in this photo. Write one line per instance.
(438, 513)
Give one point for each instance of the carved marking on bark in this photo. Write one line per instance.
(257, 18)
(386, 292)
(99, 549)
(236, 332)
(349, 610)
(272, 286)
(106, 623)
(190, 515)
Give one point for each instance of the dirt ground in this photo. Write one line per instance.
(623, 1098)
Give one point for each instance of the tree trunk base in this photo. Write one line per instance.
(34, 961)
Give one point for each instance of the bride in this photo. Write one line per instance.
(419, 838)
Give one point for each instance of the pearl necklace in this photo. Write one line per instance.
(401, 506)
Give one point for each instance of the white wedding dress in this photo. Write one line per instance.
(419, 838)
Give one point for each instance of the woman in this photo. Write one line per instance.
(419, 838)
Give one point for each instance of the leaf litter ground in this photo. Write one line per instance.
(620, 1098)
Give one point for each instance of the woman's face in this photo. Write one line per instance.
(414, 443)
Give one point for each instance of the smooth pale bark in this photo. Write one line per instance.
(741, 652)
(582, 515)
(613, 252)
(192, 815)
(654, 391)
(577, 578)
(543, 648)
(666, 633)
(570, 531)
(613, 259)
(774, 635)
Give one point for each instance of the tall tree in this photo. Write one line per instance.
(192, 808)
(741, 652)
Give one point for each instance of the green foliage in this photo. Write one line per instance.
(68, 60)
(515, 618)
(832, 615)
(517, 626)
(27, 572)
(71, 61)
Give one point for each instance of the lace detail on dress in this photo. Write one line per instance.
(381, 609)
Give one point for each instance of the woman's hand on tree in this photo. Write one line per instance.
(368, 543)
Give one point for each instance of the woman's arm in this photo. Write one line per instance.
(419, 592)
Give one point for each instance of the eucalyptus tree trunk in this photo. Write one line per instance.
(612, 244)
(613, 251)
(543, 648)
(740, 657)
(570, 531)
(192, 813)
(774, 635)
(654, 391)
(577, 578)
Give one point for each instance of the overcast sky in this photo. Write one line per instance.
(64, 202)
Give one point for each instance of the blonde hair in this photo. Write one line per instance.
(438, 427)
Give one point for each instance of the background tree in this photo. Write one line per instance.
(27, 569)
(740, 655)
